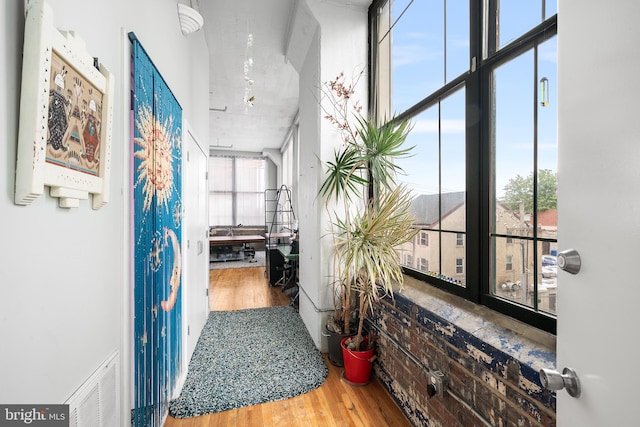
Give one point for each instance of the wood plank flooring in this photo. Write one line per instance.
(333, 404)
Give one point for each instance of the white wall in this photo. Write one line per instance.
(338, 45)
(64, 274)
(310, 211)
(195, 245)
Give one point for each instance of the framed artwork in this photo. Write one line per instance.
(66, 116)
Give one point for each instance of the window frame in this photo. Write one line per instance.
(484, 58)
(235, 192)
(408, 259)
(423, 238)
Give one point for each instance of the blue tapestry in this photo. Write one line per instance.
(157, 231)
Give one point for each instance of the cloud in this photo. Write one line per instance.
(548, 146)
(415, 35)
(408, 54)
(459, 43)
(431, 126)
(549, 53)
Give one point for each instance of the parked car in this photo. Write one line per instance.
(549, 266)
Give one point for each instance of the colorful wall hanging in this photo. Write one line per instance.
(157, 229)
(66, 116)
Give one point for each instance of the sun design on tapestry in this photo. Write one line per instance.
(156, 154)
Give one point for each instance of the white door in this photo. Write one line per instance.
(599, 210)
(196, 220)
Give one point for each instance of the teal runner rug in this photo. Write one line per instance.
(247, 357)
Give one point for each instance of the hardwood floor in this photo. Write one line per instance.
(334, 403)
(239, 288)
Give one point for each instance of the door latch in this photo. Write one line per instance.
(554, 380)
(569, 261)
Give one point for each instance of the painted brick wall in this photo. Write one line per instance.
(499, 388)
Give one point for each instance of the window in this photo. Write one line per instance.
(423, 264)
(408, 260)
(287, 165)
(479, 86)
(236, 191)
(524, 164)
(438, 55)
(436, 173)
(289, 160)
(424, 238)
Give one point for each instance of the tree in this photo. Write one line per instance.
(520, 190)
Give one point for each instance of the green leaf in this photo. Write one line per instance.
(343, 175)
(382, 147)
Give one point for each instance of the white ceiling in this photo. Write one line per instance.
(228, 24)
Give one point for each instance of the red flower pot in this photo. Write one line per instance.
(357, 364)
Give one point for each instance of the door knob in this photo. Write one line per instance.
(554, 380)
(569, 261)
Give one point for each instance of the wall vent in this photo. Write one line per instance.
(96, 403)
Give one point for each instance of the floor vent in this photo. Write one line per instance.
(96, 402)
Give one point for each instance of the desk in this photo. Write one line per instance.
(234, 240)
(285, 251)
(231, 248)
(279, 235)
(290, 284)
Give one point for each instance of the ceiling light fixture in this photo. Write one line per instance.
(190, 19)
(248, 81)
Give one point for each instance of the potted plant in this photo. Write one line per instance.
(374, 216)
(335, 329)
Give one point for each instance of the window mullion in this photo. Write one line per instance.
(490, 26)
(476, 224)
(234, 192)
(534, 213)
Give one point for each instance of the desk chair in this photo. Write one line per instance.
(249, 252)
(286, 273)
(291, 288)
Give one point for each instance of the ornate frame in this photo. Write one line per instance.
(66, 116)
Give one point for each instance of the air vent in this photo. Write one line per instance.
(96, 402)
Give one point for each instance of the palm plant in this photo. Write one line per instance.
(365, 238)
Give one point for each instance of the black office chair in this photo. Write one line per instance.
(249, 252)
(291, 287)
(286, 273)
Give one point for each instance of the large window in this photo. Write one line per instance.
(478, 82)
(236, 191)
(288, 163)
